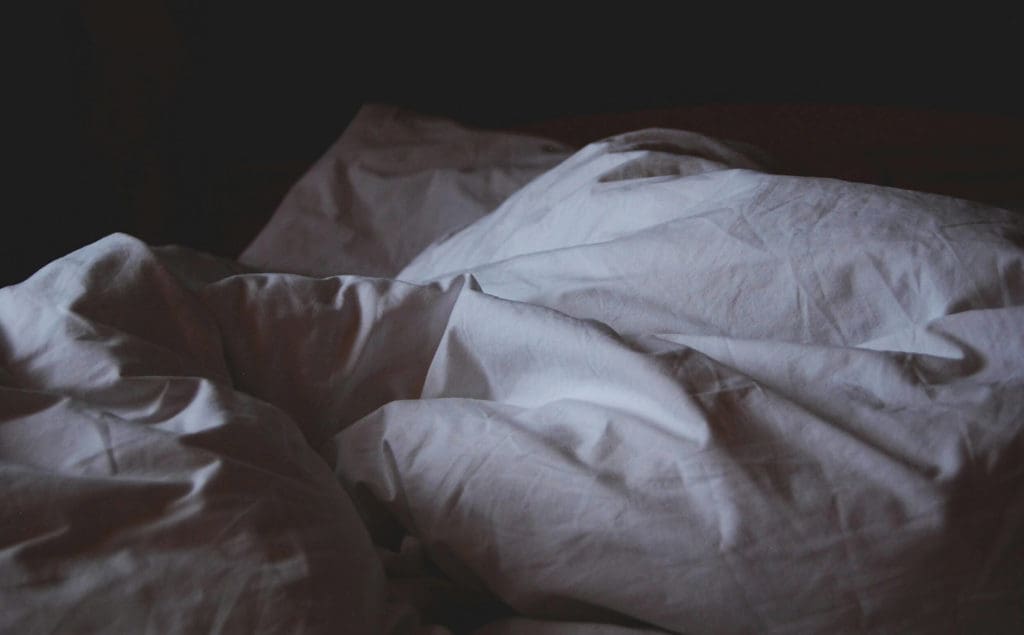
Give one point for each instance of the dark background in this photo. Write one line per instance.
(185, 122)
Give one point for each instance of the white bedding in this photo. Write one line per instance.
(656, 388)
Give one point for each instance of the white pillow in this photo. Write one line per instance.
(394, 183)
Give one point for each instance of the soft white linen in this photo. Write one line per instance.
(655, 387)
(394, 182)
(142, 492)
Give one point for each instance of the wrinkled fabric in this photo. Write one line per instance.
(754, 403)
(142, 490)
(655, 389)
(393, 183)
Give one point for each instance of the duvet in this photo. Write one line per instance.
(474, 382)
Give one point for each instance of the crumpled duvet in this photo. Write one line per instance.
(655, 389)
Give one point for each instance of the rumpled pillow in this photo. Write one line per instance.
(395, 182)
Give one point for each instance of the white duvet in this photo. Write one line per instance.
(655, 388)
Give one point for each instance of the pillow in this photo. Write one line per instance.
(391, 185)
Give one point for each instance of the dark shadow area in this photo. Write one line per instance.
(185, 122)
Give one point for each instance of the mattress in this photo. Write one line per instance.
(471, 381)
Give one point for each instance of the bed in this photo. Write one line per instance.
(479, 381)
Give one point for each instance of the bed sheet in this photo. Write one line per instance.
(655, 389)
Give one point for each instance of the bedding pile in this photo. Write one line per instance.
(467, 381)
